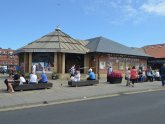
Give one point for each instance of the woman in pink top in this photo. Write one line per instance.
(134, 75)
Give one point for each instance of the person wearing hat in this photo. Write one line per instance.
(91, 75)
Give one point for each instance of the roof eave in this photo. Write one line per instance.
(48, 50)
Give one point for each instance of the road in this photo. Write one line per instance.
(142, 108)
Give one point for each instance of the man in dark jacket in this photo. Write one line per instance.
(162, 74)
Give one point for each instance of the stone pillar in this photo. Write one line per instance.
(30, 62)
(26, 62)
(63, 63)
(55, 68)
(86, 63)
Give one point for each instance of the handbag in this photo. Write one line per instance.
(126, 78)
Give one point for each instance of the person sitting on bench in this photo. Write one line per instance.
(16, 76)
(9, 81)
(44, 78)
(22, 79)
(77, 76)
(33, 78)
(91, 75)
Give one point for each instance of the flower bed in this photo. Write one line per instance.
(114, 77)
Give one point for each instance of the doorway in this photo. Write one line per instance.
(74, 59)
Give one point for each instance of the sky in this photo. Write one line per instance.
(134, 23)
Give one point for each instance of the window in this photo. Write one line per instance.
(102, 65)
(43, 60)
(121, 66)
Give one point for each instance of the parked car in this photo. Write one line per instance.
(3, 70)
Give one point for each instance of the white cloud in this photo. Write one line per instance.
(153, 6)
(129, 11)
(112, 11)
(122, 11)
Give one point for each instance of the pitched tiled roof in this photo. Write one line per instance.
(156, 51)
(56, 41)
(104, 45)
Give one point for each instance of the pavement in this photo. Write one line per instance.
(62, 93)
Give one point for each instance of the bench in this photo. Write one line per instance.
(82, 83)
(33, 86)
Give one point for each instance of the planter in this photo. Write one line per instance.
(54, 77)
(114, 80)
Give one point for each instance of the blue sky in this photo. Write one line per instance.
(134, 23)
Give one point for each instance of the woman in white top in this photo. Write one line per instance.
(33, 78)
(77, 76)
(22, 80)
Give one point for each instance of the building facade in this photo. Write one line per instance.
(7, 58)
(103, 51)
(57, 52)
(157, 53)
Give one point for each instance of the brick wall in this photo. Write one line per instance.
(119, 62)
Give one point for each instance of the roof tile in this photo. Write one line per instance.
(157, 51)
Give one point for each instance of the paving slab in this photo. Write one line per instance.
(62, 92)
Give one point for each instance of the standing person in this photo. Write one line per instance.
(128, 76)
(109, 71)
(134, 75)
(72, 71)
(139, 75)
(34, 68)
(44, 78)
(162, 74)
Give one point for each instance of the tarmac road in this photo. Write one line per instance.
(143, 108)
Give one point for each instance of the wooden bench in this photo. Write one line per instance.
(82, 83)
(33, 86)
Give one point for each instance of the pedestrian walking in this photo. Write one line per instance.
(162, 74)
(128, 76)
(134, 75)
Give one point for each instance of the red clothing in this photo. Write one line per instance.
(134, 74)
